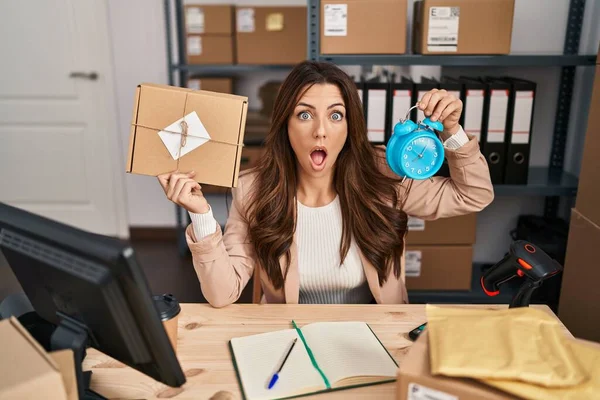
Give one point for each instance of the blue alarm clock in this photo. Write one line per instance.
(414, 151)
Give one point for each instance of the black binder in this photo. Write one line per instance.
(401, 99)
(457, 88)
(494, 125)
(377, 111)
(473, 109)
(520, 125)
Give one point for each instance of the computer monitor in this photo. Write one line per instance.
(92, 289)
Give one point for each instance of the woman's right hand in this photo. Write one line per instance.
(181, 189)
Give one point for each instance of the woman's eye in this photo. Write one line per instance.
(337, 116)
(304, 115)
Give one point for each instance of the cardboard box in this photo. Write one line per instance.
(219, 85)
(455, 230)
(271, 35)
(203, 49)
(588, 192)
(462, 26)
(433, 267)
(209, 33)
(250, 156)
(363, 26)
(27, 371)
(157, 114)
(415, 381)
(211, 20)
(579, 304)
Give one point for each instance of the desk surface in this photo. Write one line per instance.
(202, 347)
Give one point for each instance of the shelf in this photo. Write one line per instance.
(524, 60)
(541, 183)
(227, 69)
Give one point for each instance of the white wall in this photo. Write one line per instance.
(138, 31)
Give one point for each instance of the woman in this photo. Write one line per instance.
(322, 215)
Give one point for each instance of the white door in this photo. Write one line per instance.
(60, 153)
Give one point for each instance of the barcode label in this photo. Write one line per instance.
(442, 34)
(412, 267)
(336, 19)
(194, 46)
(416, 224)
(420, 392)
(194, 20)
(245, 20)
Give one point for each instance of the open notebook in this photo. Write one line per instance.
(345, 354)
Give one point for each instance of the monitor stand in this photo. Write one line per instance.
(71, 334)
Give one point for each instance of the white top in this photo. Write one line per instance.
(322, 279)
(319, 234)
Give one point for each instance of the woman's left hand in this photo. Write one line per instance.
(439, 105)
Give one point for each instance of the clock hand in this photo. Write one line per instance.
(421, 155)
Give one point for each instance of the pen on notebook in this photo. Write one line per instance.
(275, 376)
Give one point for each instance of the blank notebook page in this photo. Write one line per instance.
(348, 349)
(259, 356)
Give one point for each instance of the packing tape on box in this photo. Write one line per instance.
(184, 135)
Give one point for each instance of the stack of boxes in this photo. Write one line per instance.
(209, 34)
(439, 26)
(224, 34)
(579, 306)
(439, 254)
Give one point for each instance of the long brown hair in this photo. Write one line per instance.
(369, 199)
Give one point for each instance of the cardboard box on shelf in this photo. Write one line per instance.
(455, 230)
(219, 85)
(250, 156)
(209, 19)
(588, 192)
(209, 33)
(215, 133)
(579, 294)
(415, 381)
(438, 267)
(462, 26)
(271, 35)
(214, 49)
(27, 371)
(363, 26)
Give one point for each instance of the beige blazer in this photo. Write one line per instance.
(225, 262)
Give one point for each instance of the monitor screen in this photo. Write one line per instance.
(83, 282)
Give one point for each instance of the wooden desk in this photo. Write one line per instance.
(202, 349)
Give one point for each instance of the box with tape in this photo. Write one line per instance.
(182, 129)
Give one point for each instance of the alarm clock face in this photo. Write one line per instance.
(422, 157)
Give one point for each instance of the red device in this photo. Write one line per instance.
(524, 260)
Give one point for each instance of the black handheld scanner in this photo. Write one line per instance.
(523, 260)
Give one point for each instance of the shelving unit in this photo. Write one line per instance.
(550, 182)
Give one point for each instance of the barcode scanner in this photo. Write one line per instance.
(524, 260)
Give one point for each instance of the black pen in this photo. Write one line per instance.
(276, 374)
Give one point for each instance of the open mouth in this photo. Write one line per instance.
(318, 155)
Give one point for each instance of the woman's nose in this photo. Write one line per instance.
(320, 130)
